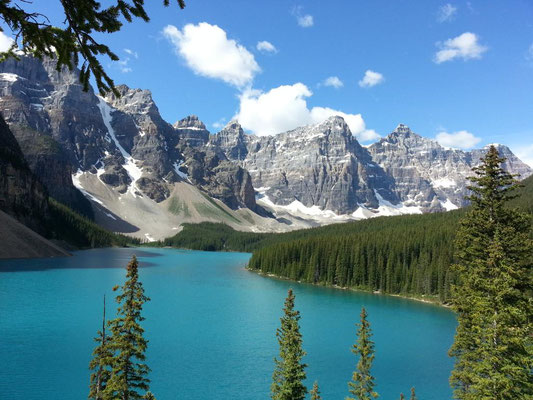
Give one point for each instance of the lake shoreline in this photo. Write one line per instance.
(434, 301)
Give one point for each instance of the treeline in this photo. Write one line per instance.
(401, 255)
(210, 236)
(409, 255)
(80, 232)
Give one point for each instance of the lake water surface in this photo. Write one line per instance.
(211, 326)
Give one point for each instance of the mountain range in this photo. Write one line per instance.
(114, 159)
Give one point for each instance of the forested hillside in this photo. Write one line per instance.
(402, 255)
(78, 231)
(408, 255)
(399, 255)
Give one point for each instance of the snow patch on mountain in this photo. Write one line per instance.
(181, 174)
(444, 183)
(130, 164)
(77, 183)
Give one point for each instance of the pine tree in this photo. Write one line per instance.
(315, 392)
(289, 373)
(100, 364)
(493, 345)
(128, 375)
(402, 397)
(413, 394)
(362, 384)
(84, 20)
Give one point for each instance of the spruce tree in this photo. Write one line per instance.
(129, 372)
(100, 364)
(289, 373)
(315, 392)
(493, 345)
(362, 384)
(413, 394)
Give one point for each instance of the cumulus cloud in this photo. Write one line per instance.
(333, 81)
(266, 47)
(457, 140)
(465, 46)
(285, 107)
(207, 50)
(446, 13)
(371, 78)
(5, 42)
(355, 122)
(525, 153)
(304, 20)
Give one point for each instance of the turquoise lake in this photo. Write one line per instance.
(211, 326)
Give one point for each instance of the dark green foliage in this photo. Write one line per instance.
(399, 255)
(128, 369)
(315, 392)
(493, 344)
(100, 364)
(83, 19)
(362, 384)
(413, 394)
(524, 198)
(209, 236)
(407, 255)
(81, 232)
(289, 373)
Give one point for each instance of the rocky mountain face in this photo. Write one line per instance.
(146, 177)
(428, 175)
(53, 124)
(321, 165)
(21, 194)
(123, 140)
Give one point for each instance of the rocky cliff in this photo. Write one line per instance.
(146, 177)
(21, 194)
(321, 165)
(428, 175)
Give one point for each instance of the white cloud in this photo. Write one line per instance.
(446, 13)
(208, 52)
(465, 46)
(278, 110)
(333, 81)
(131, 53)
(355, 122)
(285, 107)
(5, 42)
(266, 47)
(525, 153)
(306, 21)
(371, 78)
(123, 65)
(457, 140)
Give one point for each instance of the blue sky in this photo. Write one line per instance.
(462, 70)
